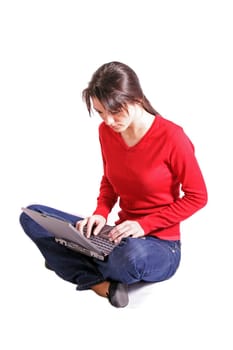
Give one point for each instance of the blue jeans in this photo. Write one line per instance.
(133, 260)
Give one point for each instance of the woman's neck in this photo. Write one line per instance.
(138, 128)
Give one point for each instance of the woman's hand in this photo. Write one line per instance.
(93, 224)
(127, 228)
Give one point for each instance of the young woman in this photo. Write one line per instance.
(150, 166)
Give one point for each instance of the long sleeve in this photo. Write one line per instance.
(187, 172)
(107, 196)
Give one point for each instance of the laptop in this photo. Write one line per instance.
(66, 234)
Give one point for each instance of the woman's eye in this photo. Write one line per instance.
(99, 112)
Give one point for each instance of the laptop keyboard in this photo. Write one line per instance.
(103, 244)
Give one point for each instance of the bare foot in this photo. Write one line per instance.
(101, 288)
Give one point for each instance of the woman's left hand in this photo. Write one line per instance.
(127, 228)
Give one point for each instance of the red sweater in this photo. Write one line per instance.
(158, 181)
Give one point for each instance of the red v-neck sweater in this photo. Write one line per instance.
(158, 181)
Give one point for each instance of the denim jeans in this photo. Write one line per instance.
(134, 259)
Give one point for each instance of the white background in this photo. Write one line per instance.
(182, 53)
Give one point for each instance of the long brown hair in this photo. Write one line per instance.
(116, 85)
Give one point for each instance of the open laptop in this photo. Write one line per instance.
(66, 234)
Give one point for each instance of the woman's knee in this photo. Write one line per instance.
(38, 207)
(30, 227)
(24, 219)
(137, 260)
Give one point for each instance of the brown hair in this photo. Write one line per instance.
(116, 85)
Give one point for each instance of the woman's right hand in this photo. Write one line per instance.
(93, 224)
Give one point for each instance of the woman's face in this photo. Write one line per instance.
(118, 122)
